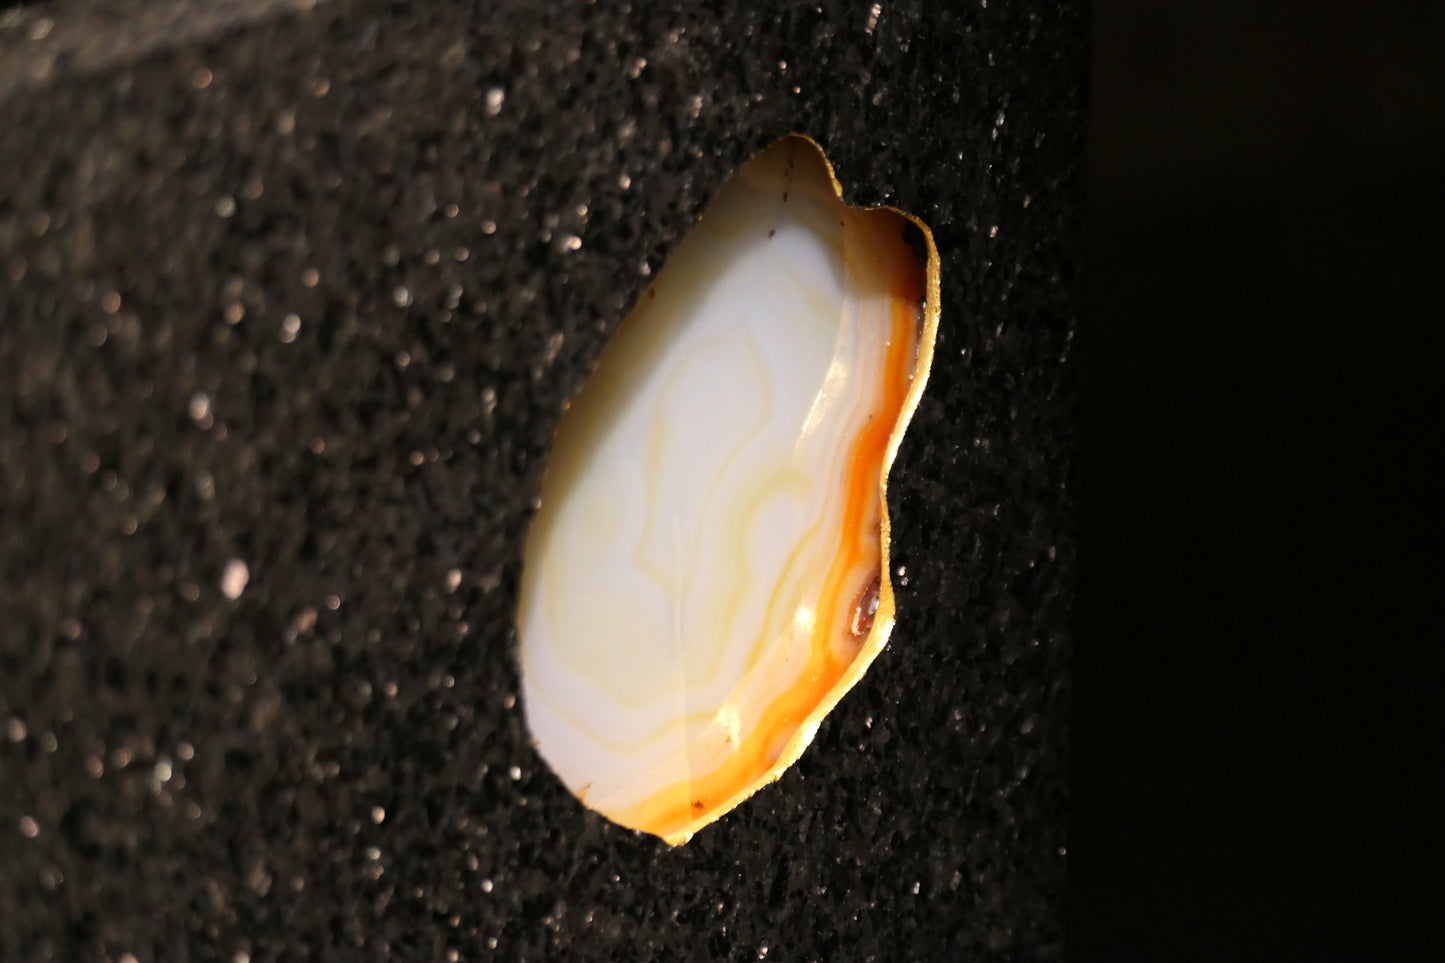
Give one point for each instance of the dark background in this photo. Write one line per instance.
(1256, 759)
(1248, 762)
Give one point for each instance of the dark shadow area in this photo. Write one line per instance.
(1261, 540)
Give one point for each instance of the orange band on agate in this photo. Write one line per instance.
(691, 803)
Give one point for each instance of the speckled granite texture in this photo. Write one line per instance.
(307, 293)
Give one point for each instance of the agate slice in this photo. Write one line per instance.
(708, 572)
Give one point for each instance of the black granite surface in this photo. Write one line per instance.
(305, 290)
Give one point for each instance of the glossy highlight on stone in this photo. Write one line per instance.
(707, 574)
